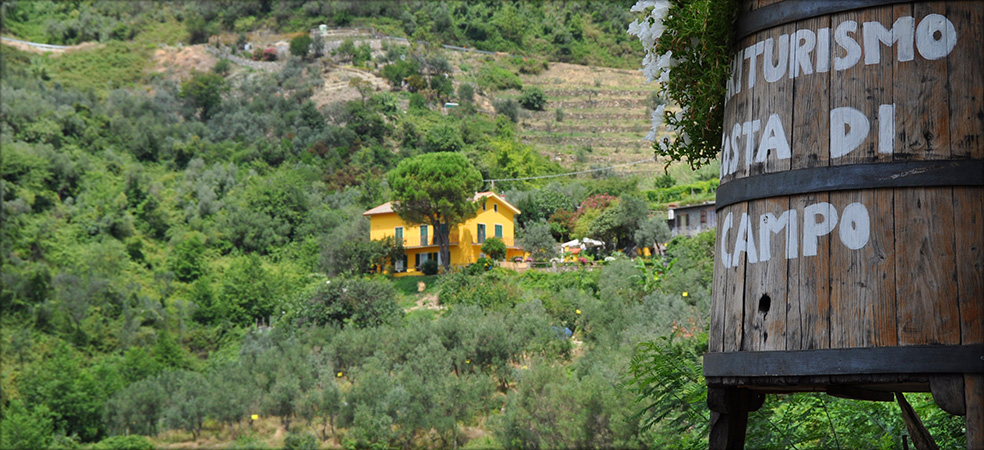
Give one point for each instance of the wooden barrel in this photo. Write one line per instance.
(850, 236)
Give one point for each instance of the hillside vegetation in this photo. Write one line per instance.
(185, 263)
(578, 32)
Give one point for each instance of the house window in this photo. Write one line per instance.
(399, 234)
(498, 231)
(423, 235)
(484, 205)
(703, 217)
(495, 207)
(481, 233)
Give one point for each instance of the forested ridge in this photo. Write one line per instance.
(183, 252)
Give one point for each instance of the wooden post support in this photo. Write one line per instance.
(948, 392)
(729, 416)
(974, 385)
(920, 435)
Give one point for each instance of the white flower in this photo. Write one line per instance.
(664, 77)
(654, 67)
(651, 27)
(657, 121)
(666, 61)
(641, 6)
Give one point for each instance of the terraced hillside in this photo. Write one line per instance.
(595, 117)
(604, 116)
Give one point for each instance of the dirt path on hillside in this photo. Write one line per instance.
(426, 301)
(182, 61)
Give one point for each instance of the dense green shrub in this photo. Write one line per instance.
(26, 429)
(508, 108)
(362, 302)
(466, 93)
(533, 98)
(300, 46)
(357, 55)
(399, 70)
(442, 85)
(248, 292)
(696, 190)
(300, 441)
(204, 91)
(494, 77)
(529, 65)
(69, 390)
(480, 266)
(359, 256)
(131, 442)
(418, 102)
(187, 261)
(494, 248)
(429, 267)
(443, 137)
(416, 83)
(222, 67)
(492, 290)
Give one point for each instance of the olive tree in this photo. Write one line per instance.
(537, 240)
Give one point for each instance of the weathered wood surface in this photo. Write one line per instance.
(921, 438)
(919, 278)
(974, 385)
(949, 393)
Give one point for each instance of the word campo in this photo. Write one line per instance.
(819, 219)
(806, 51)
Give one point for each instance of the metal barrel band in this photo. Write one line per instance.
(910, 174)
(791, 11)
(929, 359)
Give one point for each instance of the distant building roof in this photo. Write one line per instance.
(699, 205)
(388, 206)
(381, 209)
(501, 199)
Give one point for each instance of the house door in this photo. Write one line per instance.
(423, 235)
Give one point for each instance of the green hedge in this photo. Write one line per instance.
(681, 192)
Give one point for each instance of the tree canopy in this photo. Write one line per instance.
(436, 189)
(204, 90)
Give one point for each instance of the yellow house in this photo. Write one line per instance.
(494, 219)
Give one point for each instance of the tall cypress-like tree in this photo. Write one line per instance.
(436, 189)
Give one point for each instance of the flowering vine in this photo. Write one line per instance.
(690, 39)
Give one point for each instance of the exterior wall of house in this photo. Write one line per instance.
(693, 219)
(385, 225)
(466, 242)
